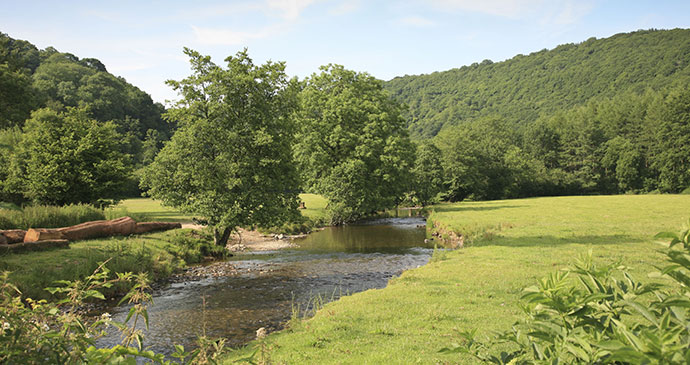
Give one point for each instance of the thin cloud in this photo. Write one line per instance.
(503, 8)
(417, 21)
(289, 9)
(572, 12)
(229, 37)
(557, 12)
(346, 7)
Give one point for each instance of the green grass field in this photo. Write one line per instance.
(316, 206)
(515, 243)
(151, 210)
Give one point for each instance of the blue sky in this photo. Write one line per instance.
(142, 41)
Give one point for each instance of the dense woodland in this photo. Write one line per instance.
(55, 106)
(604, 116)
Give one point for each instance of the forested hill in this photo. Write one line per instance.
(524, 87)
(31, 79)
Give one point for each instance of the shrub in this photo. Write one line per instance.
(192, 247)
(37, 332)
(604, 316)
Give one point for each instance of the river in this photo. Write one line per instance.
(266, 288)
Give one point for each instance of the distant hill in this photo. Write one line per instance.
(31, 79)
(522, 88)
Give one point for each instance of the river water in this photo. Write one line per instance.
(270, 286)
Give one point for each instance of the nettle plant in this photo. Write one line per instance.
(38, 332)
(603, 316)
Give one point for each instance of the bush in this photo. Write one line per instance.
(605, 316)
(46, 216)
(192, 247)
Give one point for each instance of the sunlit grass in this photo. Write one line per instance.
(316, 206)
(152, 210)
(479, 286)
(33, 271)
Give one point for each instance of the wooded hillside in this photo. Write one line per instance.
(522, 88)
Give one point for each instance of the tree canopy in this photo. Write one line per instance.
(230, 161)
(68, 157)
(352, 145)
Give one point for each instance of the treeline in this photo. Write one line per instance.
(56, 110)
(523, 88)
(631, 143)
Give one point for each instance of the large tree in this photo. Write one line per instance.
(352, 144)
(67, 157)
(230, 161)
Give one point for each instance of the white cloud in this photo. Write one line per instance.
(571, 12)
(289, 9)
(504, 8)
(560, 12)
(228, 37)
(346, 7)
(417, 21)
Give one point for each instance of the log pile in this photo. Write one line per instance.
(36, 238)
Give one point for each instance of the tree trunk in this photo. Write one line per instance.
(221, 239)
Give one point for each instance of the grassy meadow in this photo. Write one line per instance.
(514, 243)
(147, 209)
(316, 206)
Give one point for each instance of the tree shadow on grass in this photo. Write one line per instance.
(552, 241)
(465, 208)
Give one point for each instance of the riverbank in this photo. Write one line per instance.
(160, 254)
(509, 245)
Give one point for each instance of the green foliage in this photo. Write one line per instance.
(48, 216)
(230, 162)
(37, 332)
(545, 82)
(31, 79)
(427, 174)
(68, 158)
(604, 316)
(193, 247)
(352, 146)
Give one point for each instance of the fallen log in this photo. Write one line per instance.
(13, 235)
(117, 227)
(42, 234)
(144, 227)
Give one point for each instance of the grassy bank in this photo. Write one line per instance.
(514, 243)
(159, 254)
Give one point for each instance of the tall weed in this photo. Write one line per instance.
(45, 216)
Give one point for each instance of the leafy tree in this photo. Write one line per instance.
(67, 157)
(427, 173)
(671, 150)
(352, 145)
(17, 97)
(230, 162)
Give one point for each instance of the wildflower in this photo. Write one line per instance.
(105, 316)
(5, 326)
(45, 327)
